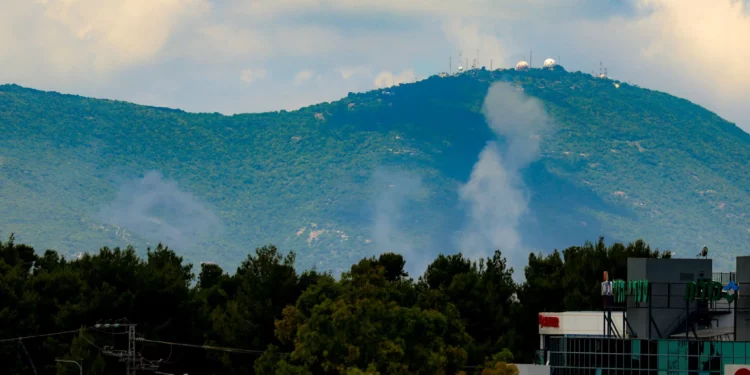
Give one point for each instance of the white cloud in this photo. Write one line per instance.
(350, 72)
(711, 41)
(303, 76)
(222, 43)
(251, 75)
(691, 48)
(92, 36)
(387, 78)
(470, 39)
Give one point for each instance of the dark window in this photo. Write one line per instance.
(686, 277)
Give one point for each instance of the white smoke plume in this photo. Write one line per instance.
(495, 194)
(157, 210)
(395, 190)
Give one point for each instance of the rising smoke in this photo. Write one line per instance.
(395, 190)
(495, 195)
(157, 210)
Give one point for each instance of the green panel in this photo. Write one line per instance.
(682, 359)
(635, 349)
(673, 347)
(740, 353)
(727, 349)
(662, 350)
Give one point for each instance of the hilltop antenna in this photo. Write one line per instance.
(605, 72)
(600, 68)
(478, 65)
(490, 64)
(450, 65)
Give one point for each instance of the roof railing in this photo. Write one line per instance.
(724, 277)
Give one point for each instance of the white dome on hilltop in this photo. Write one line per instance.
(522, 65)
(549, 63)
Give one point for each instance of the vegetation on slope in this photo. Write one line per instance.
(461, 315)
(624, 162)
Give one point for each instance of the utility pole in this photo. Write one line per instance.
(133, 362)
(130, 361)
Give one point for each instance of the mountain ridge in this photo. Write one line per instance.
(266, 176)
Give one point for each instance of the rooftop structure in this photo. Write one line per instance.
(522, 65)
(671, 316)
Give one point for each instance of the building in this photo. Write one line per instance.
(671, 316)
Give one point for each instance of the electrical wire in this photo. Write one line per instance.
(107, 332)
(92, 343)
(231, 350)
(36, 336)
(33, 367)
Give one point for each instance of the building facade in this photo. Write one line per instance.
(672, 316)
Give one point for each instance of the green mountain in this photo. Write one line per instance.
(377, 170)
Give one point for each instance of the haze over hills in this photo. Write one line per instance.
(541, 159)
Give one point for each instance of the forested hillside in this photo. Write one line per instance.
(332, 180)
(460, 317)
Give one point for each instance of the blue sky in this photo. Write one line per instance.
(235, 56)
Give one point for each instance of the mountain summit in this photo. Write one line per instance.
(419, 168)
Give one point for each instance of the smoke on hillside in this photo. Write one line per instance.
(394, 191)
(495, 196)
(157, 210)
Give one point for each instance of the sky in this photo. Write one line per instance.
(238, 56)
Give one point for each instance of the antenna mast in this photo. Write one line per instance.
(450, 65)
(530, 55)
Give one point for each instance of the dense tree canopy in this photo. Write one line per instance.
(623, 161)
(461, 316)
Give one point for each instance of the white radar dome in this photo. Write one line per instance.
(522, 65)
(549, 63)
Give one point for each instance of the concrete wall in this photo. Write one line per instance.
(666, 277)
(524, 369)
(637, 317)
(580, 323)
(743, 301)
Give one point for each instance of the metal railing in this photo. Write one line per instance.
(724, 277)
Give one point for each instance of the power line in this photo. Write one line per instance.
(31, 361)
(231, 350)
(131, 355)
(36, 336)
